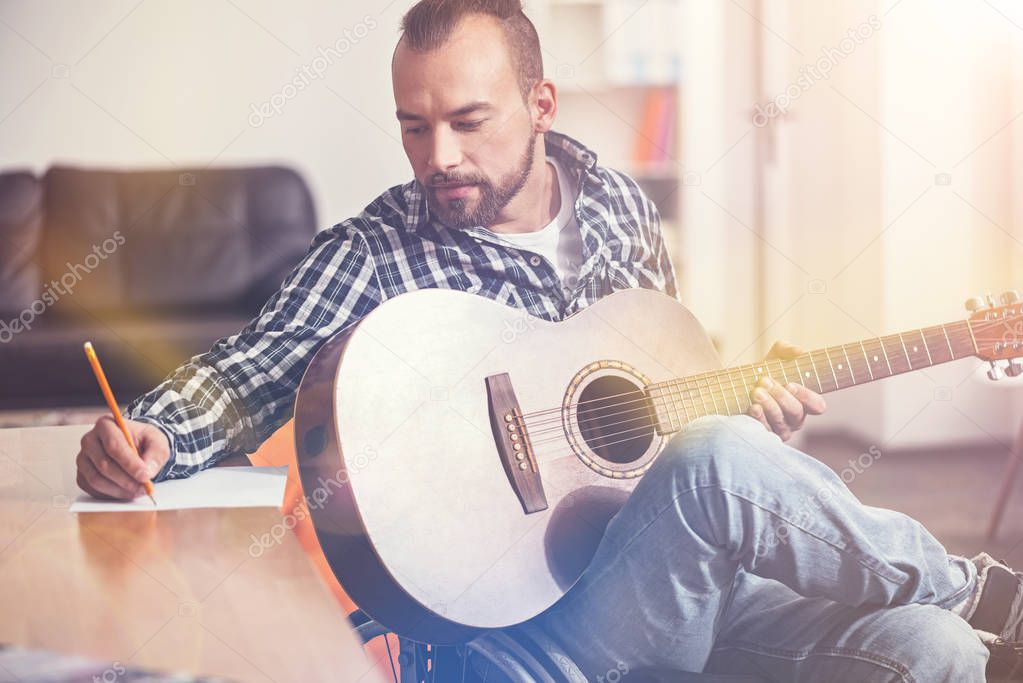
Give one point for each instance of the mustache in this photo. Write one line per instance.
(452, 179)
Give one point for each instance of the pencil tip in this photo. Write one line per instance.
(152, 499)
(87, 346)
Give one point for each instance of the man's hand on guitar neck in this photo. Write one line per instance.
(783, 408)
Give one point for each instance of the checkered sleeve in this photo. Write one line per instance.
(233, 397)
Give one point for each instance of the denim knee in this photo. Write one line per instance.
(940, 646)
(717, 449)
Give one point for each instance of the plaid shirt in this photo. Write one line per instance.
(232, 398)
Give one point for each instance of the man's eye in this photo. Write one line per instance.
(414, 131)
(469, 125)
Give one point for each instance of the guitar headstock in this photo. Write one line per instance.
(998, 332)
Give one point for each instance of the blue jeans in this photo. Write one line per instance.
(739, 554)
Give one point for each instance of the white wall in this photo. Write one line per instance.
(156, 83)
(856, 201)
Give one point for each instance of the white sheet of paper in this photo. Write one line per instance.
(217, 487)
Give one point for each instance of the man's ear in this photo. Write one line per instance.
(543, 104)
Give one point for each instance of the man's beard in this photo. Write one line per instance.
(455, 213)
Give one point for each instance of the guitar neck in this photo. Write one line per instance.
(727, 392)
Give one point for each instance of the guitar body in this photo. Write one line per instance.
(412, 495)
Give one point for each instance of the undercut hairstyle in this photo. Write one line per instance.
(430, 22)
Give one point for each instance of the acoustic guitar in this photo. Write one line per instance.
(461, 459)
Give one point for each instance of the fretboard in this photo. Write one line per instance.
(728, 392)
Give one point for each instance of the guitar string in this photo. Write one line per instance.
(649, 430)
(749, 371)
(722, 391)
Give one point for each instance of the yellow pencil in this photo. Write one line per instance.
(104, 386)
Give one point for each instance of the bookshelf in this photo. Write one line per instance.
(618, 69)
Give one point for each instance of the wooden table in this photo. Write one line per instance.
(178, 590)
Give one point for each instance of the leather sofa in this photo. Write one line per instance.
(151, 266)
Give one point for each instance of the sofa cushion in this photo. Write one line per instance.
(186, 239)
(21, 200)
(45, 366)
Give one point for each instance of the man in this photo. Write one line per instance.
(691, 574)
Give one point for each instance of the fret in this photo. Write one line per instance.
(948, 341)
(884, 352)
(714, 409)
(905, 351)
(675, 405)
(735, 394)
(867, 361)
(688, 387)
(657, 411)
(680, 391)
(723, 409)
(820, 387)
(938, 348)
(930, 361)
(742, 376)
(832, 365)
(960, 339)
(972, 338)
(848, 362)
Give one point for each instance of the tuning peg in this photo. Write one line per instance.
(1009, 297)
(995, 373)
(974, 304)
(1014, 368)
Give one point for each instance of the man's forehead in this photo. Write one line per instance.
(472, 65)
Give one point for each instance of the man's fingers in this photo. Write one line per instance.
(118, 449)
(106, 467)
(772, 413)
(790, 406)
(813, 403)
(784, 350)
(757, 413)
(97, 484)
(154, 449)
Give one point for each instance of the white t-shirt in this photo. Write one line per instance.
(560, 241)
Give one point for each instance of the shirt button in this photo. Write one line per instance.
(534, 260)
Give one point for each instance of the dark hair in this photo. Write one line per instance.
(430, 22)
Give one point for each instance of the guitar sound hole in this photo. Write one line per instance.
(615, 419)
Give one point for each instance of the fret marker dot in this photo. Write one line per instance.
(914, 349)
(808, 373)
(839, 366)
(875, 359)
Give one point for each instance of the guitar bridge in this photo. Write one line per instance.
(513, 446)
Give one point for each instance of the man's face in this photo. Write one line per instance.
(465, 128)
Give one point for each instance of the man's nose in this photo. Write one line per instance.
(446, 152)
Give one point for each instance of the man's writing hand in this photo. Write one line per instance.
(782, 408)
(109, 468)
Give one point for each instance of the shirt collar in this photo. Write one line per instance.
(574, 157)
